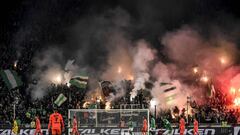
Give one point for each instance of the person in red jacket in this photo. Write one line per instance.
(195, 130)
(145, 126)
(56, 123)
(75, 127)
(38, 126)
(182, 126)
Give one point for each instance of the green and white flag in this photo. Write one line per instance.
(169, 90)
(153, 123)
(167, 87)
(164, 83)
(60, 100)
(79, 81)
(11, 79)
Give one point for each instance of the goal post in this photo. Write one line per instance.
(106, 121)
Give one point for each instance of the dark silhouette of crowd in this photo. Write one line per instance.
(27, 108)
(214, 111)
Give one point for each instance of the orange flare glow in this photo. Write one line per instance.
(108, 105)
(130, 77)
(223, 60)
(204, 79)
(232, 90)
(119, 70)
(195, 70)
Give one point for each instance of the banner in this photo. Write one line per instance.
(201, 131)
(60, 100)
(125, 131)
(79, 81)
(11, 78)
(25, 131)
(175, 131)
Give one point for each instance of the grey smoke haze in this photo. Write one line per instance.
(103, 39)
(97, 50)
(186, 48)
(47, 69)
(120, 88)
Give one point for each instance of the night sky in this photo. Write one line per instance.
(50, 18)
(52, 23)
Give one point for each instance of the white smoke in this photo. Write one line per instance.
(98, 54)
(134, 63)
(186, 48)
(109, 48)
(120, 58)
(162, 73)
(50, 71)
(120, 91)
(143, 55)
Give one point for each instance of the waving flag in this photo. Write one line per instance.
(169, 91)
(79, 81)
(11, 79)
(60, 100)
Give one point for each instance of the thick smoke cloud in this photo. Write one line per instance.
(187, 49)
(118, 57)
(48, 71)
(121, 42)
(98, 50)
(141, 63)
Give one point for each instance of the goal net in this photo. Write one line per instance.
(112, 121)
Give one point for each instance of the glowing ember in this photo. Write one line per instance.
(15, 64)
(57, 79)
(131, 98)
(223, 60)
(195, 70)
(108, 105)
(237, 101)
(98, 100)
(232, 90)
(153, 103)
(173, 115)
(130, 77)
(204, 79)
(119, 70)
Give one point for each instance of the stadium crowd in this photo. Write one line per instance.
(214, 111)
